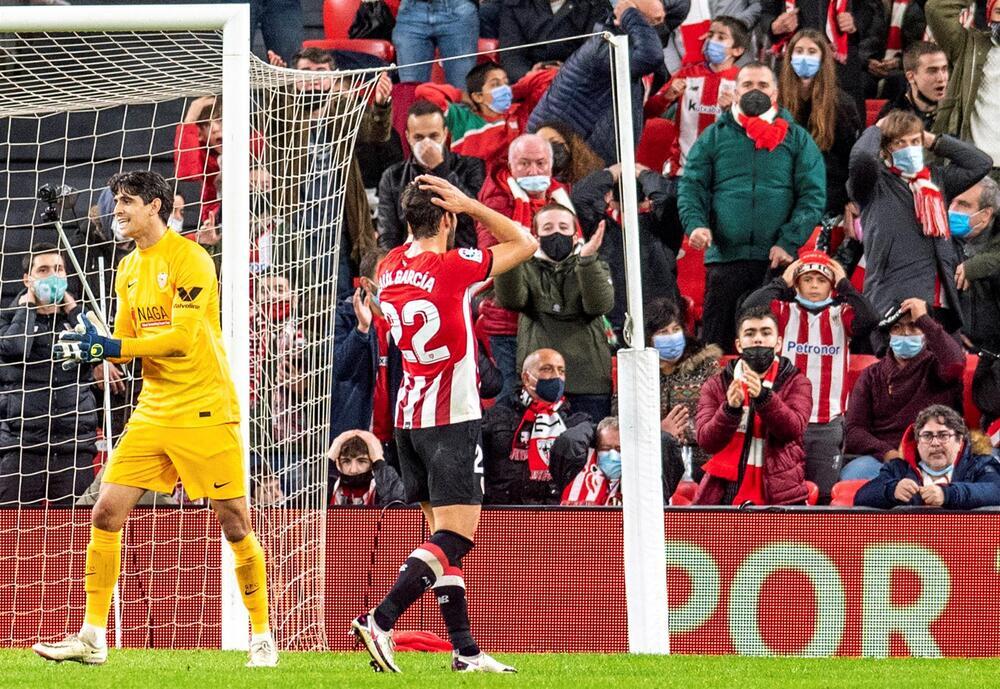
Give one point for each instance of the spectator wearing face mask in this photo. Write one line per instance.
(702, 90)
(580, 94)
(597, 201)
(971, 108)
(756, 215)
(972, 218)
(517, 191)
(359, 473)
(925, 67)
(518, 433)
(923, 366)
(904, 212)
(937, 467)
(572, 159)
(752, 416)
(686, 363)
(819, 312)
(587, 464)
(498, 113)
(562, 295)
(808, 89)
(429, 154)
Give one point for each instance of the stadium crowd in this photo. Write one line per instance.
(818, 191)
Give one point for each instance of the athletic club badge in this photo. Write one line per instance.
(161, 280)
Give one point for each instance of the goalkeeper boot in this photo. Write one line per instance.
(263, 653)
(79, 648)
(378, 642)
(479, 663)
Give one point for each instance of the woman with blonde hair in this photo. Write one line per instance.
(807, 88)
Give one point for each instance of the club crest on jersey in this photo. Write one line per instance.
(161, 280)
(474, 255)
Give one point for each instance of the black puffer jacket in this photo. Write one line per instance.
(42, 404)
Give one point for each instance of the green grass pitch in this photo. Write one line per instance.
(141, 669)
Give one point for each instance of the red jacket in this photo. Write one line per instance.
(195, 161)
(785, 415)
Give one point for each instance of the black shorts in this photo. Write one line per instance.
(442, 465)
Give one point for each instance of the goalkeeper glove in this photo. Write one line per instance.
(89, 343)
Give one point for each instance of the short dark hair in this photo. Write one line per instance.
(659, 314)
(39, 249)
(147, 185)
(419, 108)
(944, 415)
(369, 262)
(739, 30)
(317, 55)
(550, 206)
(916, 50)
(760, 65)
(422, 215)
(476, 78)
(750, 313)
(355, 446)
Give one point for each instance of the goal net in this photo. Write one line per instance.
(75, 108)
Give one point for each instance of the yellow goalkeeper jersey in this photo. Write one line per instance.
(168, 314)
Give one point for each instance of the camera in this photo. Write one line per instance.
(57, 198)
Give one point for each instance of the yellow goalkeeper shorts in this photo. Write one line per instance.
(208, 460)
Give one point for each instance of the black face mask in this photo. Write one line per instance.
(664, 32)
(313, 100)
(759, 359)
(556, 246)
(754, 103)
(357, 481)
(560, 160)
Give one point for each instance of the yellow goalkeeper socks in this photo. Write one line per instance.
(104, 561)
(252, 578)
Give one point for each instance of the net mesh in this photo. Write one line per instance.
(76, 108)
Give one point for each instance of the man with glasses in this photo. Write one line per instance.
(937, 468)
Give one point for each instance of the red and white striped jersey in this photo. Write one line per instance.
(817, 343)
(426, 300)
(698, 107)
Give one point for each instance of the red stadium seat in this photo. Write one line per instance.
(842, 493)
(813, 495)
(859, 362)
(338, 15)
(686, 490)
(872, 108)
(402, 98)
(383, 50)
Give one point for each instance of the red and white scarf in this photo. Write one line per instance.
(766, 131)
(894, 42)
(725, 464)
(526, 206)
(353, 496)
(539, 427)
(838, 39)
(591, 487)
(994, 433)
(928, 202)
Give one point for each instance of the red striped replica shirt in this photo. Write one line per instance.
(426, 300)
(817, 343)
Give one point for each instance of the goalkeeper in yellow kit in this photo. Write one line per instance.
(186, 422)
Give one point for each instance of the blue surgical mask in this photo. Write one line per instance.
(813, 304)
(806, 66)
(501, 99)
(49, 290)
(670, 347)
(959, 223)
(910, 159)
(906, 346)
(610, 463)
(534, 184)
(550, 389)
(715, 52)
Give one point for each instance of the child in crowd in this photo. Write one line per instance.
(704, 90)
(362, 476)
(819, 311)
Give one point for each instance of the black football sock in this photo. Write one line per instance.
(450, 591)
(419, 572)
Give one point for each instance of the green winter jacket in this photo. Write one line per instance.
(752, 199)
(560, 306)
(966, 50)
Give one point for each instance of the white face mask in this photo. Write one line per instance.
(175, 224)
(422, 147)
(116, 230)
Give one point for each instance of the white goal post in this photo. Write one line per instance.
(234, 22)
